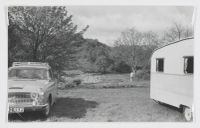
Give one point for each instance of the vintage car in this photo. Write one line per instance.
(31, 87)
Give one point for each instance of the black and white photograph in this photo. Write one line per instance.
(100, 63)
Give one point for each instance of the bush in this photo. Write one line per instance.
(77, 81)
(122, 67)
(71, 83)
(143, 74)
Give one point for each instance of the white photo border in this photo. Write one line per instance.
(4, 63)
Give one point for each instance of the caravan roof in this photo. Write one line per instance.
(173, 43)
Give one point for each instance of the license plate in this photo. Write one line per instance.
(16, 110)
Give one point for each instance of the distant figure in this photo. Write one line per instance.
(132, 74)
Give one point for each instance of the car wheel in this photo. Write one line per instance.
(187, 113)
(54, 101)
(47, 110)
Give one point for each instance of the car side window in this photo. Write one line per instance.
(51, 74)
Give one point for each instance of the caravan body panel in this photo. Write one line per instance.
(172, 86)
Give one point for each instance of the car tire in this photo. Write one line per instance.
(187, 112)
(46, 112)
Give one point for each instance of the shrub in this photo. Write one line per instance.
(143, 74)
(122, 67)
(77, 81)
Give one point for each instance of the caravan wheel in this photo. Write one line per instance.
(187, 113)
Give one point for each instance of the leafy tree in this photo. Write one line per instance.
(93, 55)
(46, 34)
(102, 63)
(121, 67)
(95, 50)
(12, 43)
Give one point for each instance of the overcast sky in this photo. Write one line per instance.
(107, 22)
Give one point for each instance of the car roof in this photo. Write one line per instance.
(30, 65)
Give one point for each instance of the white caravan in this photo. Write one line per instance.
(172, 75)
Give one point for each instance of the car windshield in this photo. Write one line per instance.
(28, 73)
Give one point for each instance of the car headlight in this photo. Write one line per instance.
(34, 95)
(41, 92)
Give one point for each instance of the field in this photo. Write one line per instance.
(107, 98)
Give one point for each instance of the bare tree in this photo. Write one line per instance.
(150, 39)
(177, 32)
(135, 47)
(150, 42)
(128, 43)
(188, 32)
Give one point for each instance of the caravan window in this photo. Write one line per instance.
(188, 64)
(160, 65)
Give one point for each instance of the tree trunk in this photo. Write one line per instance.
(35, 59)
(134, 69)
(34, 55)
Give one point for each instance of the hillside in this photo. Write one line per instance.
(86, 53)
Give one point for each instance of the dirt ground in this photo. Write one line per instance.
(103, 104)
